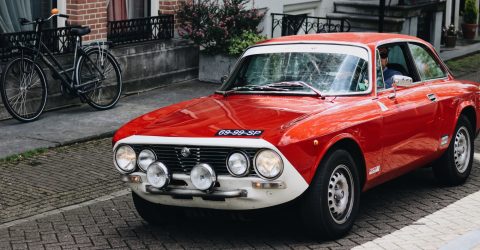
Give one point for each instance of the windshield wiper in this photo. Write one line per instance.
(295, 84)
(253, 88)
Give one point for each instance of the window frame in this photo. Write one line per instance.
(239, 62)
(412, 68)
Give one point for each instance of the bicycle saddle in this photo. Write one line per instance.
(80, 31)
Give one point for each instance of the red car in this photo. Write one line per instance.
(313, 118)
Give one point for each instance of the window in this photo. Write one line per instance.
(328, 68)
(427, 66)
(395, 62)
(11, 11)
(128, 9)
(378, 69)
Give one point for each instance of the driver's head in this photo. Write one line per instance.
(383, 56)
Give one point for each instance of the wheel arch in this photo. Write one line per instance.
(469, 112)
(348, 143)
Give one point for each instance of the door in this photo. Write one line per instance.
(408, 117)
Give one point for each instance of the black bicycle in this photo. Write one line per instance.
(95, 76)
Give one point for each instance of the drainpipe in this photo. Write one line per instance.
(381, 15)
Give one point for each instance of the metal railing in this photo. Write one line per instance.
(141, 29)
(58, 41)
(303, 24)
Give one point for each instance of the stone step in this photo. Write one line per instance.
(370, 23)
(371, 8)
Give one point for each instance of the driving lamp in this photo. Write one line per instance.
(268, 164)
(145, 158)
(238, 164)
(125, 158)
(203, 177)
(157, 175)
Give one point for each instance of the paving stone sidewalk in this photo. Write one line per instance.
(72, 174)
(57, 178)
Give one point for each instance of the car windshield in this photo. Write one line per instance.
(302, 69)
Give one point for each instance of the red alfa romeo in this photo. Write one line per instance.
(314, 118)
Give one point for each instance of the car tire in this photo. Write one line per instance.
(331, 203)
(154, 214)
(454, 166)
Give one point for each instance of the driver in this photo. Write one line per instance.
(387, 72)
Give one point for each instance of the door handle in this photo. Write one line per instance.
(432, 97)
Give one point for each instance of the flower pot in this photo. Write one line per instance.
(469, 30)
(213, 67)
(450, 41)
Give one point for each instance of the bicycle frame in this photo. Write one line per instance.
(58, 71)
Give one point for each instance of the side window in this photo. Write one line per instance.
(378, 69)
(427, 66)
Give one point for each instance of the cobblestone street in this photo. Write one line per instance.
(70, 175)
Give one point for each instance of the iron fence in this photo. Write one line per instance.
(141, 29)
(58, 41)
(303, 24)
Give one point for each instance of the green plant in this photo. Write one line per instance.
(451, 31)
(212, 25)
(240, 43)
(23, 156)
(470, 14)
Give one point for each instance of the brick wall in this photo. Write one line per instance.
(92, 13)
(170, 7)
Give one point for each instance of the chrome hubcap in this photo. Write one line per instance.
(340, 194)
(461, 150)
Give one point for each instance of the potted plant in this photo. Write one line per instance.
(470, 17)
(218, 29)
(451, 36)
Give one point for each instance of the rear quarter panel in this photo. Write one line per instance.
(453, 97)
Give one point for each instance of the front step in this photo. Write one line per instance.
(370, 23)
(371, 8)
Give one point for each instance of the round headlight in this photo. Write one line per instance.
(268, 164)
(203, 177)
(125, 158)
(238, 164)
(145, 158)
(157, 175)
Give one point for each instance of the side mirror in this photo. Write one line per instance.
(402, 81)
(223, 79)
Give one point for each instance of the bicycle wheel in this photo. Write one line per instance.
(99, 79)
(24, 89)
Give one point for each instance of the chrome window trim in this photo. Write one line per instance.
(360, 45)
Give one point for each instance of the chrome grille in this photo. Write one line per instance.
(171, 156)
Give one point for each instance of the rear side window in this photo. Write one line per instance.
(427, 66)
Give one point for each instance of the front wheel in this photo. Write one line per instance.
(24, 89)
(332, 201)
(454, 167)
(99, 79)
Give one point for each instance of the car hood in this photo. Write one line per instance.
(204, 117)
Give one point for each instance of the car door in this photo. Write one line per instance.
(434, 76)
(408, 118)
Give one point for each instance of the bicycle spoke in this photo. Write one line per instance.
(24, 89)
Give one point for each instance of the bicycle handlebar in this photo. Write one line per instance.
(24, 21)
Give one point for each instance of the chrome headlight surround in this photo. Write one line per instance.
(125, 159)
(268, 164)
(196, 176)
(145, 158)
(246, 167)
(158, 170)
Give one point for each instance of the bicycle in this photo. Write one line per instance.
(95, 76)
